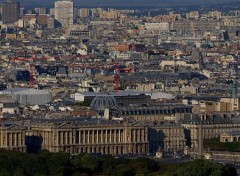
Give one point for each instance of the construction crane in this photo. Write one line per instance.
(117, 68)
(30, 61)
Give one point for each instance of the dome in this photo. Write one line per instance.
(102, 102)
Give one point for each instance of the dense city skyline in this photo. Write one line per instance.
(155, 79)
(126, 2)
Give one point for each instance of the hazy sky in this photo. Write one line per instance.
(125, 2)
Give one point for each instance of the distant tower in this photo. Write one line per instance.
(64, 12)
(10, 11)
(149, 13)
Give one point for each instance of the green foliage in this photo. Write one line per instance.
(201, 168)
(84, 103)
(14, 163)
(214, 143)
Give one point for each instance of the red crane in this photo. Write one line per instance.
(28, 60)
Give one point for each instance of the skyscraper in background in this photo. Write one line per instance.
(83, 12)
(10, 11)
(64, 12)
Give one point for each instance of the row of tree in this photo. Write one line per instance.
(215, 144)
(14, 163)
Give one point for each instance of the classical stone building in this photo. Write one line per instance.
(91, 135)
(12, 136)
(166, 137)
(163, 112)
(88, 135)
(231, 136)
(208, 126)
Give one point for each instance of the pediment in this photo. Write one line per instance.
(65, 125)
(13, 127)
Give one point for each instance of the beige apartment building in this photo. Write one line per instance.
(223, 105)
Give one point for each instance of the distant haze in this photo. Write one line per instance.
(124, 2)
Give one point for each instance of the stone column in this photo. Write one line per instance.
(101, 136)
(21, 141)
(9, 139)
(62, 137)
(134, 135)
(70, 137)
(106, 141)
(79, 137)
(44, 138)
(97, 138)
(139, 135)
(110, 141)
(115, 136)
(66, 137)
(48, 138)
(16, 139)
(84, 137)
(143, 136)
(93, 136)
(59, 137)
(119, 135)
(88, 136)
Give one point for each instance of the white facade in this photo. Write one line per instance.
(64, 13)
(25, 96)
(79, 97)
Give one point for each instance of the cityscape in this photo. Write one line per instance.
(129, 82)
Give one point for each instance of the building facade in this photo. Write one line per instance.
(166, 137)
(152, 113)
(207, 126)
(89, 136)
(64, 13)
(10, 11)
(12, 137)
(86, 135)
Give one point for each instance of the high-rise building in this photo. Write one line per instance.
(22, 12)
(40, 10)
(10, 11)
(52, 11)
(95, 11)
(51, 23)
(64, 12)
(83, 12)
